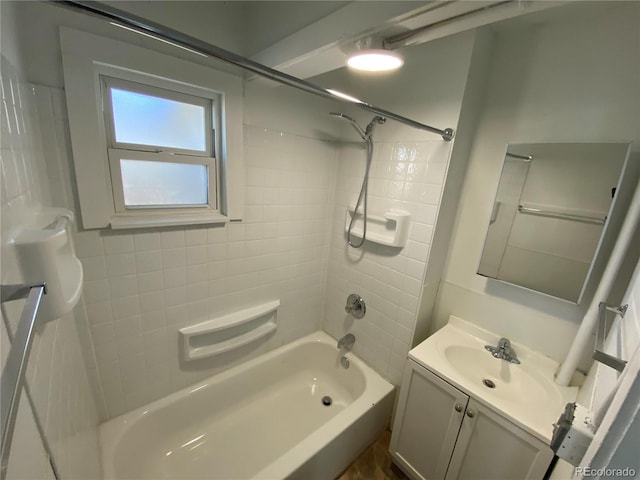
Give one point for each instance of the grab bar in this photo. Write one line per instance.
(563, 216)
(598, 354)
(16, 365)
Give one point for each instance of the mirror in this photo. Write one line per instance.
(552, 207)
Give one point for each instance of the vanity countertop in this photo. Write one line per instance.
(525, 393)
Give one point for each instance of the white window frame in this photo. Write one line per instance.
(118, 151)
(87, 59)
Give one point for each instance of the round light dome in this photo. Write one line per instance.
(375, 60)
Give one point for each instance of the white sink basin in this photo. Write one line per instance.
(526, 392)
(509, 381)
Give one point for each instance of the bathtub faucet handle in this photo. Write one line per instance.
(355, 305)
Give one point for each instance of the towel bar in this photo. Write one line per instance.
(598, 354)
(16, 365)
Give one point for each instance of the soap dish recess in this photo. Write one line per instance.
(228, 332)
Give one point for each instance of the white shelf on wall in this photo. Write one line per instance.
(47, 255)
(390, 228)
(228, 332)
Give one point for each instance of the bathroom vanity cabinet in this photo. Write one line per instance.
(441, 433)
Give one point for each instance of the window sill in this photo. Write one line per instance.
(150, 221)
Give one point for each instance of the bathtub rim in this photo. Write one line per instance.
(376, 389)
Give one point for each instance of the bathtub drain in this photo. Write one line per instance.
(326, 400)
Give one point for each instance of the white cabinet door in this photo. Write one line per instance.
(427, 423)
(491, 448)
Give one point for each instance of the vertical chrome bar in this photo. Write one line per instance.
(14, 371)
(601, 329)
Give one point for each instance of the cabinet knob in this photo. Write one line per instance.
(470, 413)
(458, 407)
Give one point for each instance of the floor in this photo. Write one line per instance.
(374, 463)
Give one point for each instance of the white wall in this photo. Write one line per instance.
(57, 378)
(472, 102)
(572, 80)
(408, 172)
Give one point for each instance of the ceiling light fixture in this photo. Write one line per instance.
(375, 60)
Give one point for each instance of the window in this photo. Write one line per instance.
(157, 139)
(160, 147)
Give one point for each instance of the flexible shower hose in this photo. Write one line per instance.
(363, 195)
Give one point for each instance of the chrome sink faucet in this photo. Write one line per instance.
(346, 342)
(503, 351)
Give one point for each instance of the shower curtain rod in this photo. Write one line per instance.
(176, 38)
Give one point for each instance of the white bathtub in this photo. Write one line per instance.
(263, 419)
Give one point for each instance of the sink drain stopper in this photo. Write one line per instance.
(488, 383)
(326, 400)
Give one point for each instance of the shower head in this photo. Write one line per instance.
(377, 120)
(353, 123)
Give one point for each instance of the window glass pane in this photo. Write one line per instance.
(143, 119)
(147, 183)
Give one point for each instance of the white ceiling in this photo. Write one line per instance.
(322, 45)
(309, 38)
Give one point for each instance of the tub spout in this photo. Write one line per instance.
(346, 342)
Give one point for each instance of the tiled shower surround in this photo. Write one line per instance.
(142, 286)
(405, 176)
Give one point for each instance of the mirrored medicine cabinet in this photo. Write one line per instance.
(558, 208)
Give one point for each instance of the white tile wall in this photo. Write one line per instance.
(57, 374)
(408, 176)
(142, 286)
